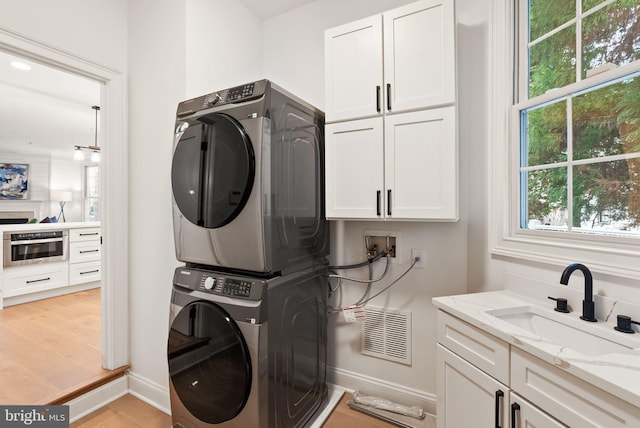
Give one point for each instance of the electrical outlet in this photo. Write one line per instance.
(422, 254)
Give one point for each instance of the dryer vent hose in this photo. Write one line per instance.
(383, 404)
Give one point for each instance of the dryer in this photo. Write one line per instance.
(247, 352)
(248, 181)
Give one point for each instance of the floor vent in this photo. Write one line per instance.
(386, 333)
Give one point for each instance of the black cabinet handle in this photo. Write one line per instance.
(389, 96)
(88, 251)
(389, 202)
(514, 408)
(89, 234)
(378, 211)
(37, 280)
(90, 271)
(378, 98)
(499, 395)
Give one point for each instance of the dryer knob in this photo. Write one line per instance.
(209, 283)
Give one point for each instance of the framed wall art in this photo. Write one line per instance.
(14, 181)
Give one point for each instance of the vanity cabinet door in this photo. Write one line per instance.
(568, 398)
(467, 397)
(526, 415)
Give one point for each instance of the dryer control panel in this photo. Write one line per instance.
(238, 94)
(220, 284)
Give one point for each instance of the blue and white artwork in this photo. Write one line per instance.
(14, 181)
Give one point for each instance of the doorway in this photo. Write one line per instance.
(113, 188)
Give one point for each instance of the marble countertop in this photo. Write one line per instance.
(47, 226)
(616, 373)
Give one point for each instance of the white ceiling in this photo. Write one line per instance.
(268, 9)
(45, 110)
(48, 111)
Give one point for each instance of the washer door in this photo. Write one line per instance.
(212, 171)
(209, 362)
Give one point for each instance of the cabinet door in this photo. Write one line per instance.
(354, 169)
(421, 165)
(419, 55)
(467, 397)
(526, 415)
(353, 70)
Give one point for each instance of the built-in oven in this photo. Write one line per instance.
(22, 248)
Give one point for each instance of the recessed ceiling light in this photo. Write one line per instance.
(21, 65)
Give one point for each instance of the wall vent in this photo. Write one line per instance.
(386, 333)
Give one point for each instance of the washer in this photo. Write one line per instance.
(248, 181)
(246, 352)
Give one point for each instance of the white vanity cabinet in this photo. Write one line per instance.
(402, 59)
(474, 365)
(85, 255)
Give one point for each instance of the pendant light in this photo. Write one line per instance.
(95, 149)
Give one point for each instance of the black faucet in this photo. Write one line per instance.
(588, 307)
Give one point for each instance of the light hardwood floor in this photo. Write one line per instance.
(50, 354)
(131, 412)
(50, 349)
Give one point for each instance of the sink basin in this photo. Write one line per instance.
(565, 334)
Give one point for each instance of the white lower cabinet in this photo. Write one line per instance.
(85, 255)
(481, 386)
(27, 279)
(526, 415)
(468, 397)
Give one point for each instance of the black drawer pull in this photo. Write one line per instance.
(38, 280)
(89, 234)
(88, 251)
(90, 271)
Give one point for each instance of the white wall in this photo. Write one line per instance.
(223, 46)
(157, 81)
(92, 29)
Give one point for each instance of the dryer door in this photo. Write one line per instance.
(209, 362)
(213, 170)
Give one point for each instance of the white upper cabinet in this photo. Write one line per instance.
(419, 55)
(420, 165)
(353, 66)
(403, 59)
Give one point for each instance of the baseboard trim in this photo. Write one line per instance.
(150, 392)
(368, 385)
(97, 398)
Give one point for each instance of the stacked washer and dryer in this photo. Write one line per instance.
(248, 320)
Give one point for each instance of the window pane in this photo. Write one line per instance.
(545, 15)
(546, 135)
(606, 196)
(546, 198)
(606, 121)
(552, 62)
(611, 35)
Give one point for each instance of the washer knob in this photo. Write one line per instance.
(213, 99)
(209, 283)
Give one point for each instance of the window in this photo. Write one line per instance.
(579, 116)
(91, 193)
(565, 137)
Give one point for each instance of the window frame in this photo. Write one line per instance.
(613, 255)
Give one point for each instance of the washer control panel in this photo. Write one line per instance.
(219, 283)
(226, 286)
